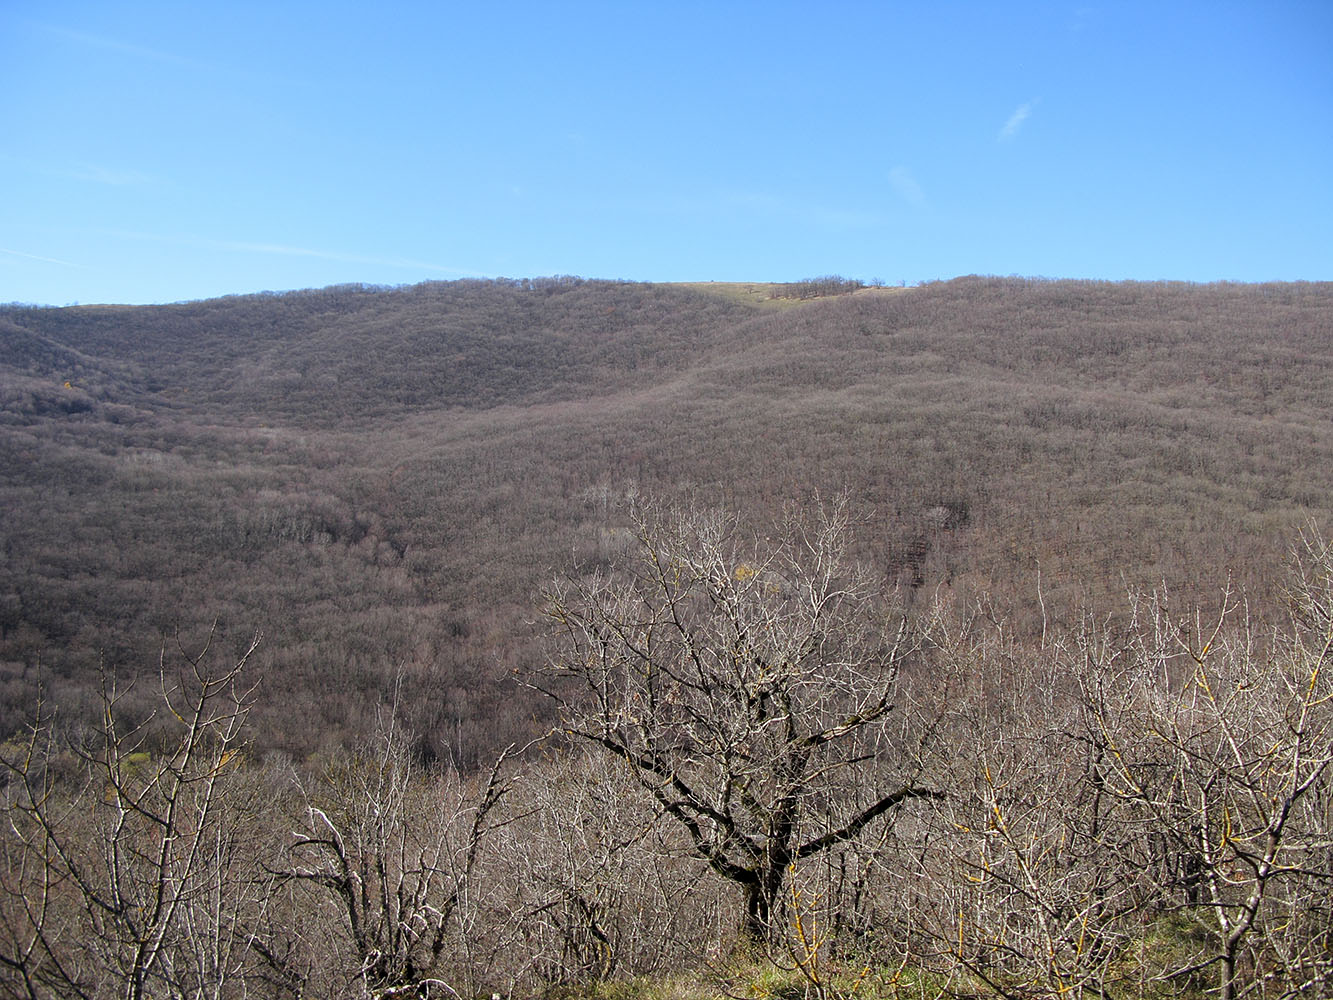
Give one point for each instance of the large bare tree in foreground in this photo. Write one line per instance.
(750, 685)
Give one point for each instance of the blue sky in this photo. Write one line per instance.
(155, 152)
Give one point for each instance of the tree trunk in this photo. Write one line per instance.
(758, 912)
(1226, 988)
(762, 892)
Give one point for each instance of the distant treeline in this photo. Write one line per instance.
(814, 288)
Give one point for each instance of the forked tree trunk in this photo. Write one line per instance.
(758, 913)
(762, 892)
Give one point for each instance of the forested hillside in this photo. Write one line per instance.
(957, 641)
(382, 480)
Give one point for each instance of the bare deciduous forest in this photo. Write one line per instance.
(511, 636)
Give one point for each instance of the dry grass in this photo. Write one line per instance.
(760, 294)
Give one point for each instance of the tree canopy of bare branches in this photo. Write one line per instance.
(749, 683)
(133, 878)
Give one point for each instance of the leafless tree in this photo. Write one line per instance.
(130, 876)
(747, 682)
(1031, 878)
(603, 884)
(1221, 738)
(386, 850)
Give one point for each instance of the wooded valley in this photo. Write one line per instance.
(488, 636)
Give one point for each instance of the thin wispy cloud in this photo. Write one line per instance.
(217, 71)
(1016, 120)
(95, 173)
(1081, 18)
(906, 187)
(345, 258)
(116, 45)
(285, 250)
(45, 260)
(108, 176)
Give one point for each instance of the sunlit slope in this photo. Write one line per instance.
(381, 480)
